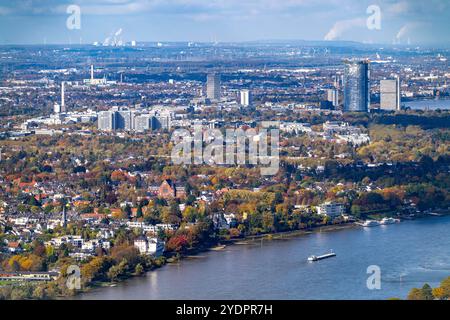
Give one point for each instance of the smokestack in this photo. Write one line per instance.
(63, 104)
(92, 72)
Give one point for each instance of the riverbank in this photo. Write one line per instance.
(280, 270)
(192, 253)
(247, 240)
(196, 253)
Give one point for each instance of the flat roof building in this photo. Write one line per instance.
(390, 98)
(213, 90)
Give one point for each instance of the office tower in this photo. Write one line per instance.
(107, 120)
(333, 96)
(213, 86)
(161, 122)
(246, 98)
(356, 86)
(390, 94)
(130, 120)
(143, 122)
(92, 72)
(123, 118)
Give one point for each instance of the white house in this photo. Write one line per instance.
(149, 246)
(331, 209)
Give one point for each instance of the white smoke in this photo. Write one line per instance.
(402, 32)
(340, 27)
(407, 30)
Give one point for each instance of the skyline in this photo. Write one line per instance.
(400, 22)
(234, 162)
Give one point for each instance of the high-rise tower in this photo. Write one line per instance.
(213, 86)
(356, 86)
(246, 98)
(390, 98)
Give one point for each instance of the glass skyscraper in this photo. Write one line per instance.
(356, 86)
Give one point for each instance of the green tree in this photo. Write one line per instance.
(139, 269)
(356, 210)
(139, 213)
(127, 211)
(427, 292)
(118, 270)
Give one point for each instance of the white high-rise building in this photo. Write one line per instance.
(161, 121)
(107, 120)
(246, 98)
(124, 120)
(390, 98)
(213, 91)
(333, 96)
(143, 122)
(131, 120)
(60, 108)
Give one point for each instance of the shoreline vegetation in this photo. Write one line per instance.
(194, 253)
(245, 240)
(149, 264)
(428, 293)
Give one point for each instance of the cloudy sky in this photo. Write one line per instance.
(401, 21)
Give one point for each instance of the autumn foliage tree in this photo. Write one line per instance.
(178, 243)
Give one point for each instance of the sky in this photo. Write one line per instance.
(369, 21)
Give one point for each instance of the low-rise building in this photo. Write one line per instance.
(149, 246)
(28, 276)
(331, 209)
(168, 190)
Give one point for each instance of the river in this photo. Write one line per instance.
(431, 104)
(409, 254)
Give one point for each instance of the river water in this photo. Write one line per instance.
(432, 104)
(409, 254)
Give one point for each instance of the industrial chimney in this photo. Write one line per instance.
(63, 103)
